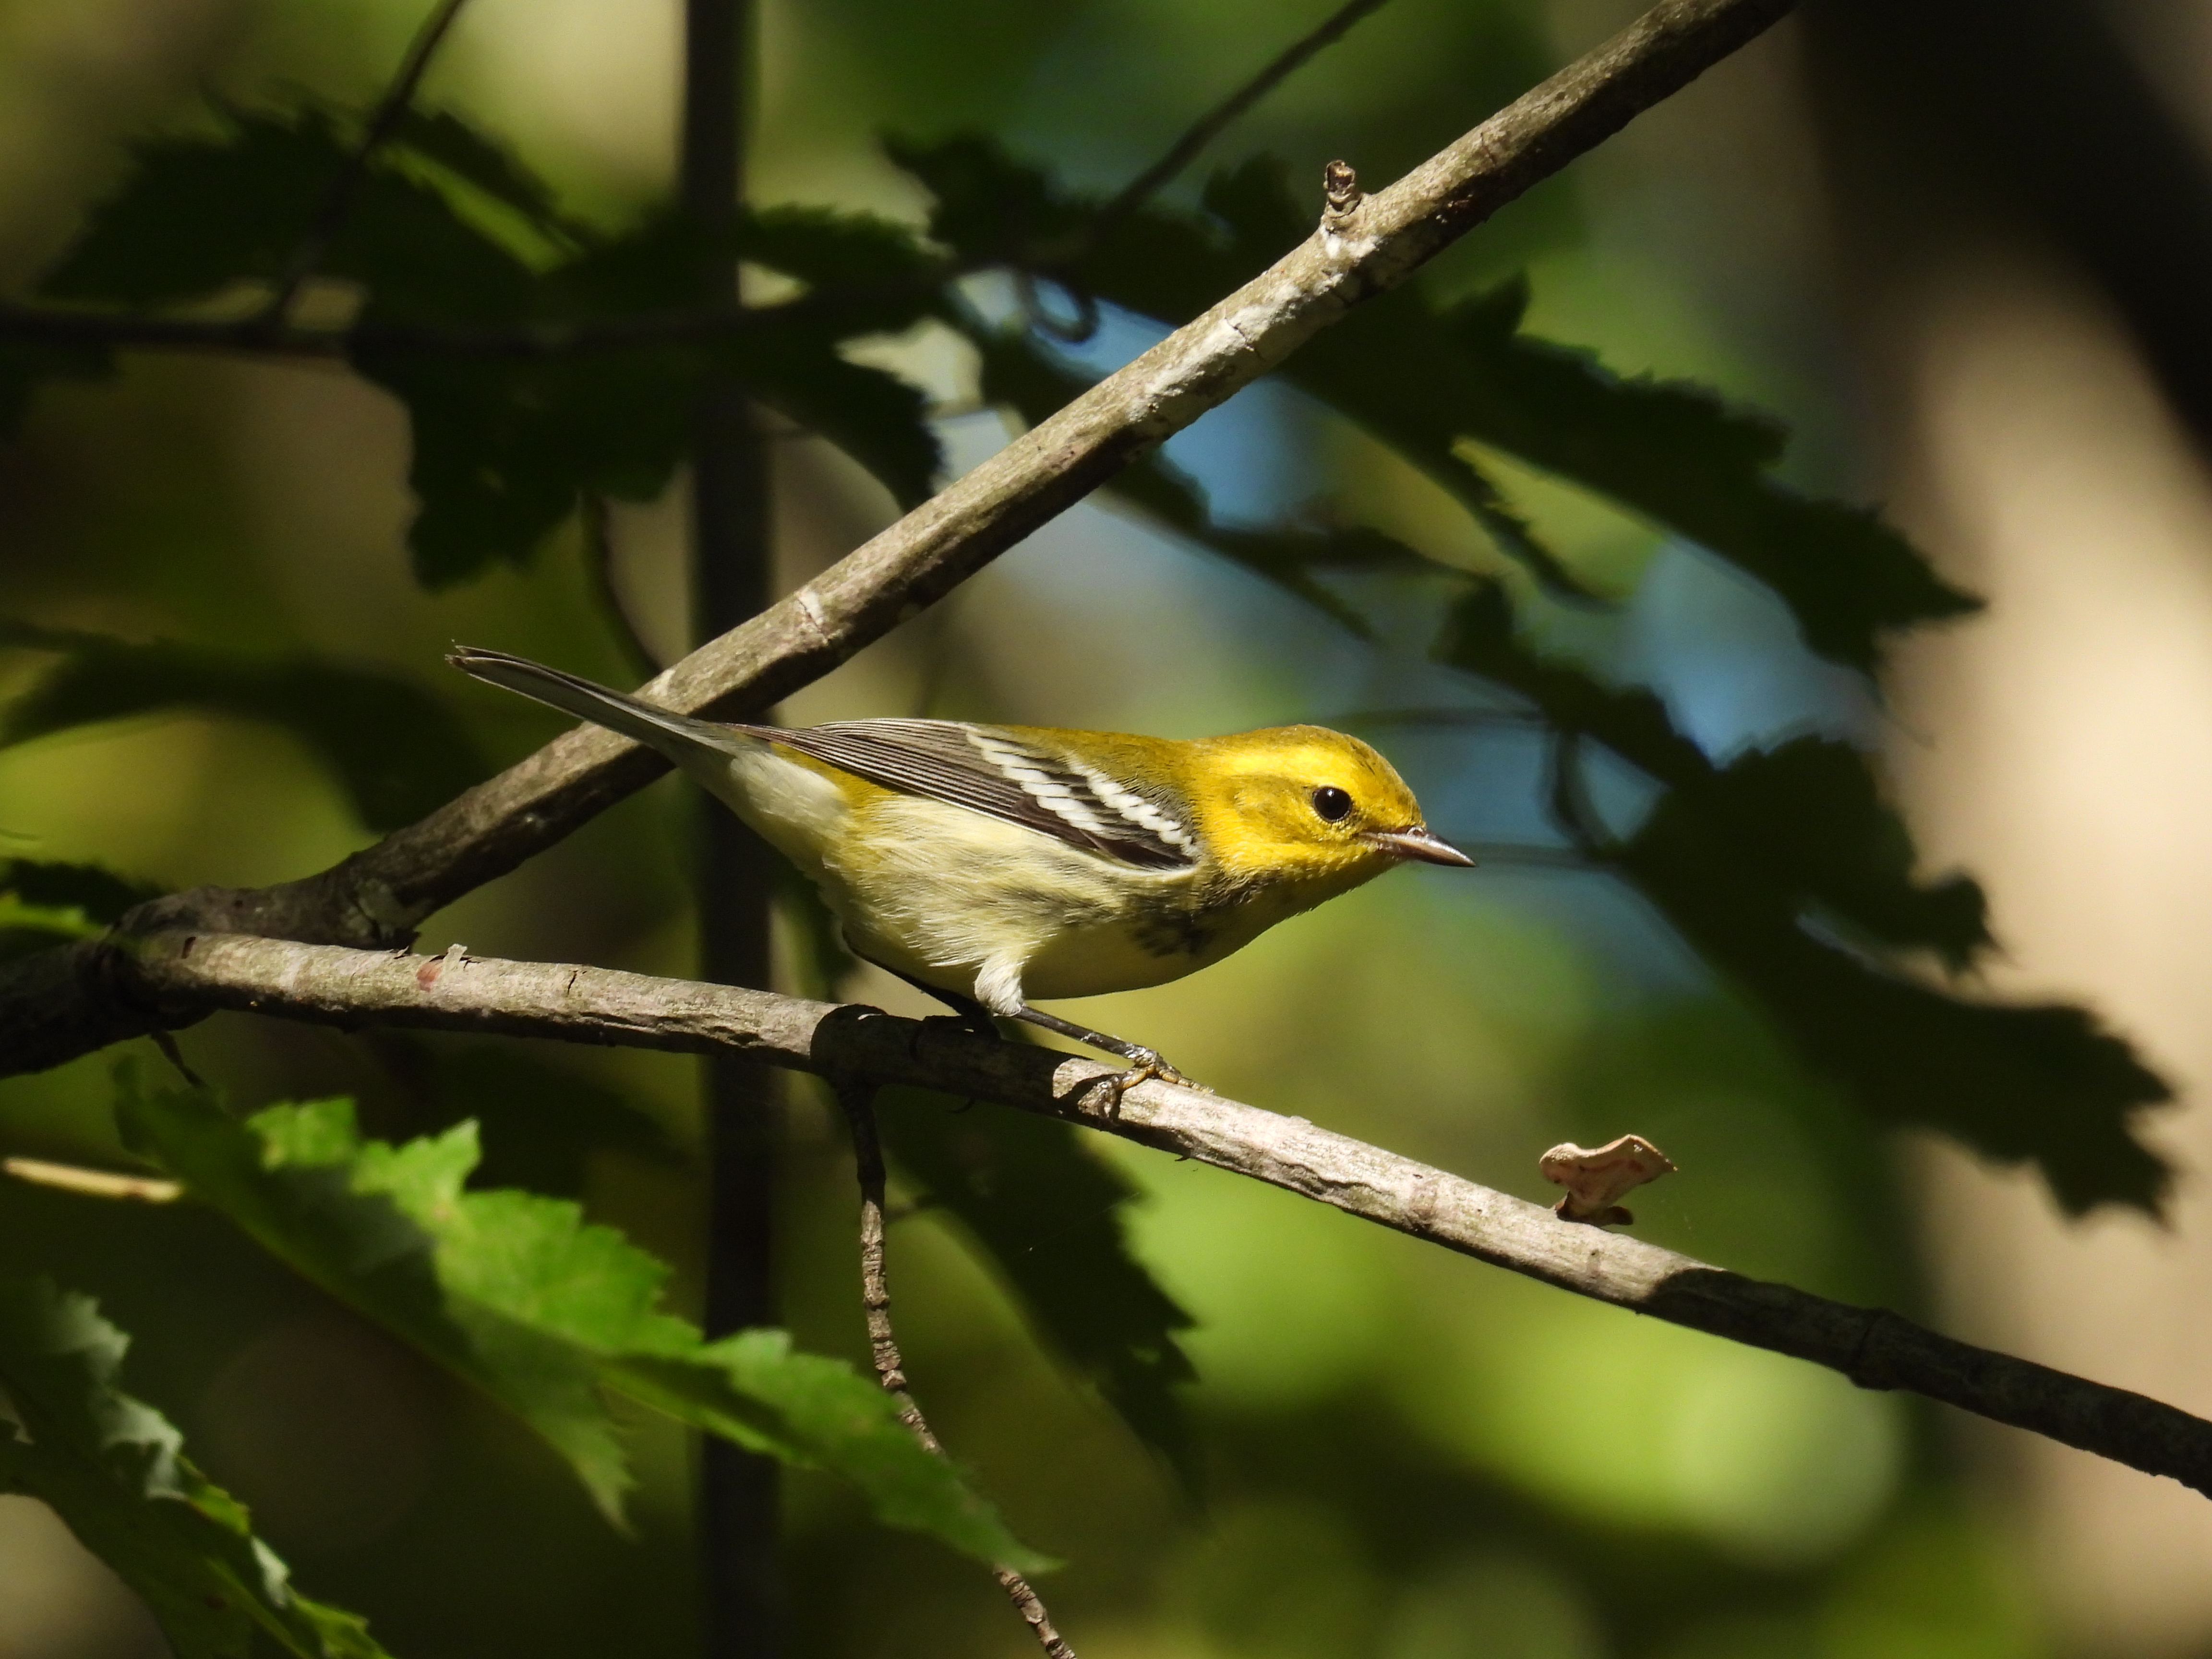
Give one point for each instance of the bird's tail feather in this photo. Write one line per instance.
(679, 736)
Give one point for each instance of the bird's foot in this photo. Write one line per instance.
(1145, 1067)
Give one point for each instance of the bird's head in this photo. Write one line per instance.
(1302, 804)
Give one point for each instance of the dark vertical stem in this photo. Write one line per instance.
(737, 1489)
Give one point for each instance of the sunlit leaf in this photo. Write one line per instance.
(541, 1309)
(113, 1468)
(397, 750)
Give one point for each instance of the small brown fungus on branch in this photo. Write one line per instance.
(1339, 189)
(1597, 1180)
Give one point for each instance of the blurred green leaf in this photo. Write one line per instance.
(540, 1122)
(1747, 860)
(1047, 1217)
(825, 246)
(193, 215)
(505, 445)
(397, 750)
(113, 1468)
(95, 891)
(505, 449)
(877, 418)
(1809, 817)
(485, 162)
(2045, 1083)
(198, 214)
(989, 209)
(42, 904)
(543, 1311)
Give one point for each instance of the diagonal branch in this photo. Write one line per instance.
(329, 985)
(63, 1004)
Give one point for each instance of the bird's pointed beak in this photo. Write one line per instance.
(1418, 842)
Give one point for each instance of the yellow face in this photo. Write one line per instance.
(1304, 804)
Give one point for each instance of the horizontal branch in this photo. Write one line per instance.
(53, 1011)
(334, 986)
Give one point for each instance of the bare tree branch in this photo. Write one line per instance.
(858, 1099)
(182, 975)
(63, 1003)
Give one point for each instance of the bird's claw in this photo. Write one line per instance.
(1145, 1067)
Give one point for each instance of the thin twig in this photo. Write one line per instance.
(857, 1096)
(93, 1183)
(193, 973)
(1209, 125)
(597, 516)
(338, 200)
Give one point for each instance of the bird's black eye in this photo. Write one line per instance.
(1331, 803)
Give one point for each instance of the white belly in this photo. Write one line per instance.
(949, 897)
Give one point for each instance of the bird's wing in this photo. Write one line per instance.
(988, 769)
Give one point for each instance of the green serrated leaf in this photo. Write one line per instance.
(541, 1309)
(113, 1468)
(988, 205)
(877, 418)
(397, 750)
(504, 450)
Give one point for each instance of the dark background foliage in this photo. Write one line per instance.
(1451, 523)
